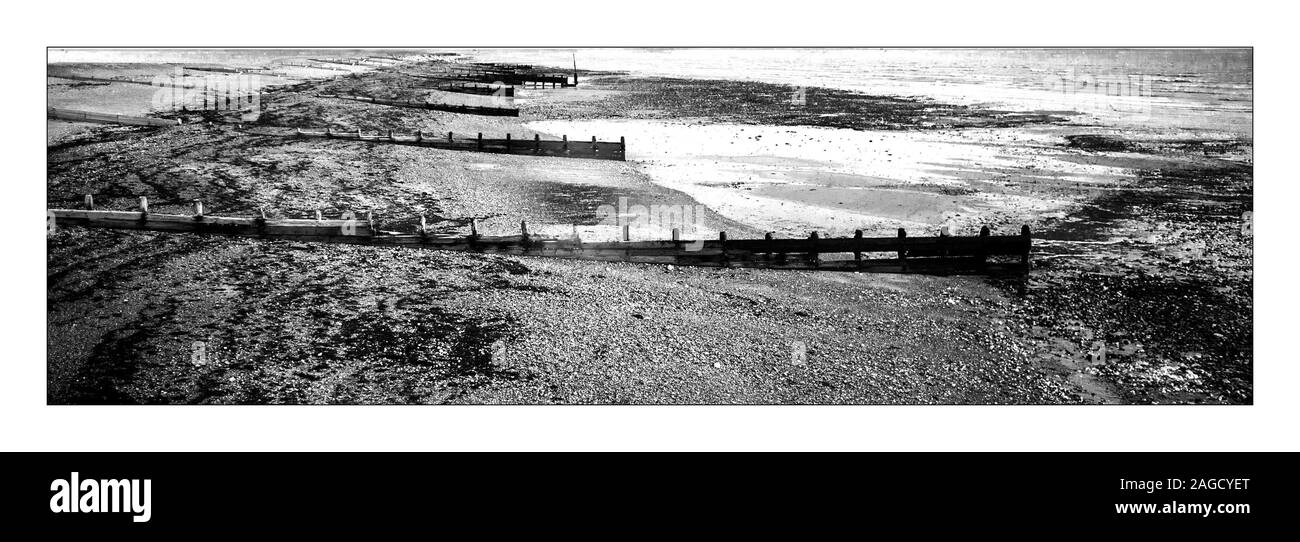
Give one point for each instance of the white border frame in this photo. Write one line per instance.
(27, 423)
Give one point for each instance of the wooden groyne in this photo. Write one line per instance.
(599, 150)
(213, 69)
(984, 254)
(166, 81)
(509, 74)
(90, 116)
(543, 81)
(452, 84)
(467, 87)
(356, 62)
(106, 80)
(452, 108)
(313, 67)
(376, 61)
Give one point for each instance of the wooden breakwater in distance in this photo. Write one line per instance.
(467, 87)
(340, 62)
(452, 108)
(452, 84)
(214, 69)
(540, 81)
(105, 80)
(168, 82)
(375, 61)
(510, 75)
(598, 150)
(90, 116)
(985, 254)
(313, 66)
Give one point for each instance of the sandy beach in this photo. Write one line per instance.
(1138, 230)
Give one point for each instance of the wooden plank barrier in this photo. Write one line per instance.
(510, 74)
(168, 81)
(943, 255)
(72, 77)
(217, 69)
(340, 62)
(311, 66)
(90, 116)
(453, 108)
(596, 150)
(511, 77)
(460, 86)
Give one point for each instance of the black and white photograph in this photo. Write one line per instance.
(359, 225)
(316, 268)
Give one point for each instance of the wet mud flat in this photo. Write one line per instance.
(749, 102)
(1146, 293)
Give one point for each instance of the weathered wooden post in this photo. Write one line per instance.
(813, 256)
(902, 249)
(523, 227)
(722, 245)
(622, 145)
(537, 143)
(627, 232)
(185, 96)
(944, 248)
(419, 136)
(677, 235)
(507, 142)
(90, 202)
(424, 227)
(981, 252)
(390, 135)
(260, 220)
(1024, 251)
(857, 254)
(448, 137)
(480, 141)
(594, 148)
(198, 210)
(144, 206)
(370, 223)
(768, 236)
(318, 215)
(566, 142)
